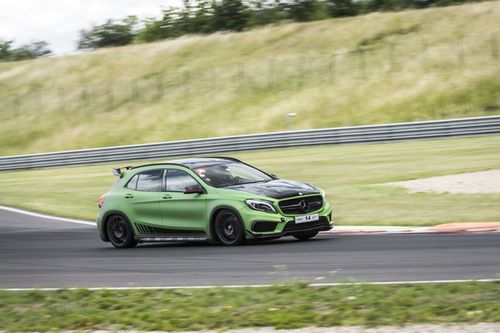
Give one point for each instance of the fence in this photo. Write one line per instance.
(367, 60)
(330, 136)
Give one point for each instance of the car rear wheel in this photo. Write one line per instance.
(305, 235)
(229, 228)
(120, 232)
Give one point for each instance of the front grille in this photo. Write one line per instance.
(264, 226)
(292, 226)
(301, 205)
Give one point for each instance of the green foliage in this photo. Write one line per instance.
(267, 12)
(203, 17)
(229, 15)
(307, 10)
(392, 5)
(382, 36)
(343, 8)
(27, 51)
(280, 306)
(111, 33)
(5, 49)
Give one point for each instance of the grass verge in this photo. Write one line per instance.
(346, 172)
(287, 306)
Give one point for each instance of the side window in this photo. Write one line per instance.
(150, 181)
(132, 184)
(178, 180)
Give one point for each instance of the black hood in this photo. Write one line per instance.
(276, 189)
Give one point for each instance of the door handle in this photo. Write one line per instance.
(167, 196)
(129, 196)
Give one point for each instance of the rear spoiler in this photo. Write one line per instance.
(118, 172)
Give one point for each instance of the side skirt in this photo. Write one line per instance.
(172, 239)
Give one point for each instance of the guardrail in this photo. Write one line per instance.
(328, 136)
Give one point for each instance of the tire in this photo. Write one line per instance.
(229, 228)
(305, 235)
(120, 232)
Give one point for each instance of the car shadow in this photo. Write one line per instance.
(208, 244)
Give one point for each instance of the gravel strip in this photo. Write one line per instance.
(423, 328)
(468, 183)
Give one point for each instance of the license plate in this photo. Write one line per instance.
(306, 218)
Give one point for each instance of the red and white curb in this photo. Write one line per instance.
(472, 227)
(450, 228)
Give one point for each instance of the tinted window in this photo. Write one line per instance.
(178, 180)
(133, 182)
(150, 181)
(230, 173)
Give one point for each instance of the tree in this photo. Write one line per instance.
(32, 50)
(265, 12)
(111, 33)
(158, 29)
(203, 17)
(37, 49)
(5, 51)
(343, 8)
(229, 15)
(307, 10)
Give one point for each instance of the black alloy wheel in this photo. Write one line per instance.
(229, 228)
(120, 232)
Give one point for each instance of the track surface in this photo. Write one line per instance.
(36, 252)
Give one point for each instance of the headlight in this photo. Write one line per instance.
(323, 193)
(261, 205)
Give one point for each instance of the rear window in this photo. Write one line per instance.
(149, 181)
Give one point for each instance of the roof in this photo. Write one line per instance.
(193, 163)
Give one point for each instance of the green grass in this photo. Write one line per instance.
(389, 67)
(287, 306)
(346, 172)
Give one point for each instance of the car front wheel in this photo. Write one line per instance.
(305, 235)
(120, 232)
(229, 228)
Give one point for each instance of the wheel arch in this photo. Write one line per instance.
(213, 214)
(105, 219)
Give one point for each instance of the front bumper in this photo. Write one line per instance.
(323, 227)
(260, 225)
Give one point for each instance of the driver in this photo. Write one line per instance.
(219, 175)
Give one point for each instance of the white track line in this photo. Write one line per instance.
(315, 285)
(48, 217)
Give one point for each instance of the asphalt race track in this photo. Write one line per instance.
(37, 252)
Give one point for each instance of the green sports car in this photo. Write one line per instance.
(219, 199)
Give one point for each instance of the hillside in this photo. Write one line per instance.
(377, 68)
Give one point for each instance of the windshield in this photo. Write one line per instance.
(230, 173)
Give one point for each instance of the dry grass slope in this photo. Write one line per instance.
(413, 65)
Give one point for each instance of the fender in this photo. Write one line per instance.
(213, 214)
(104, 235)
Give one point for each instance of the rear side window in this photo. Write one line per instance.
(132, 184)
(149, 181)
(178, 180)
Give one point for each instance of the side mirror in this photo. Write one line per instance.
(273, 176)
(194, 189)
